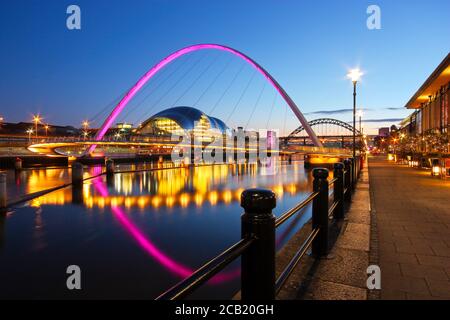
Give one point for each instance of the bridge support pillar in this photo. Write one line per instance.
(3, 196)
(18, 164)
(109, 172)
(77, 174)
(258, 261)
(109, 167)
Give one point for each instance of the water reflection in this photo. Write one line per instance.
(161, 224)
(179, 187)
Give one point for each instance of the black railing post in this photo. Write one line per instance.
(352, 175)
(258, 261)
(358, 169)
(347, 180)
(339, 190)
(320, 212)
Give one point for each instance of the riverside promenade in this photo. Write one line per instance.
(413, 220)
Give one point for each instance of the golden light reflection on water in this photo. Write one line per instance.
(38, 180)
(179, 187)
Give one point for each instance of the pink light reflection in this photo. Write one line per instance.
(151, 249)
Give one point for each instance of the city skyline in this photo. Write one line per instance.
(85, 70)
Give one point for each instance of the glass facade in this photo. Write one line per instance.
(181, 121)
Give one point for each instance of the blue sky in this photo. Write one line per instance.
(308, 46)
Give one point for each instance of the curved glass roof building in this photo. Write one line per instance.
(179, 120)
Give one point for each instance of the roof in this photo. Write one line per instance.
(439, 77)
(187, 116)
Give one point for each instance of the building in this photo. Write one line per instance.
(430, 121)
(384, 132)
(181, 121)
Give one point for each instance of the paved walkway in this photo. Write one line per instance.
(341, 276)
(413, 220)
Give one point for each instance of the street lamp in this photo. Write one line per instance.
(46, 130)
(30, 132)
(354, 75)
(36, 120)
(85, 124)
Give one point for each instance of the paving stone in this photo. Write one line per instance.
(419, 248)
(416, 296)
(325, 290)
(441, 249)
(439, 288)
(346, 267)
(404, 284)
(393, 295)
(436, 261)
(390, 268)
(356, 236)
(421, 271)
(397, 257)
(416, 226)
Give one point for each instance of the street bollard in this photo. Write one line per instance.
(347, 180)
(339, 190)
(258, 261)
(3, 196)
(77, 174)
(18, 164)
(320, 212)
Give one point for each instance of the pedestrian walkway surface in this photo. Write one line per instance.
(343, 276)
(412, 210)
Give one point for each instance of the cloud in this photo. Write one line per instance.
(380, 120)
(393, 109)
(332, 112)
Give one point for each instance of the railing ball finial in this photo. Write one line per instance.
(339, 166)
(320, 173)
(256, 201)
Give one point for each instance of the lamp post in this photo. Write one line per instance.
(36, 120)
(30, 132)
(85, 125)
(46, 130)
(354, 75)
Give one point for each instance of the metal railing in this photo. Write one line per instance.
(258, 225)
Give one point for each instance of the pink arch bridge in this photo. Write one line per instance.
(167, 60)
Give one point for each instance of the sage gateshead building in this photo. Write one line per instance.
(430, 122)
(181, 121)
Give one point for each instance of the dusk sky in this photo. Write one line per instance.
(308, 46)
